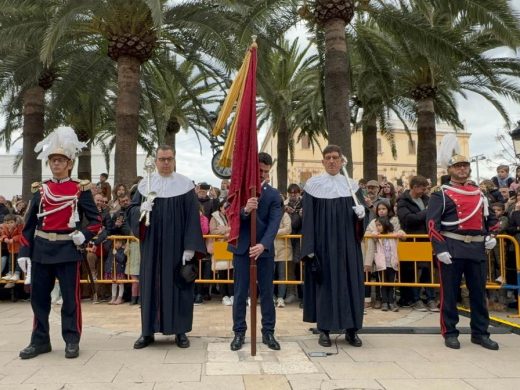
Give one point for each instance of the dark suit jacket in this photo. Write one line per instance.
(268, 217)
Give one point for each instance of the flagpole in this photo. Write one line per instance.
(253, 268)
(252, 278)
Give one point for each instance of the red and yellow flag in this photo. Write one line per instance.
(241, 146)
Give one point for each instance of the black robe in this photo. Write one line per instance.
(334, 288)
(166, 300)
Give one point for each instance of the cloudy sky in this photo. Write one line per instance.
(481, 120)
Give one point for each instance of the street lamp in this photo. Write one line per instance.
(515, 136)
(476, 159)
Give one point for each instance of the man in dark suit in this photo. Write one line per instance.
(268, 215)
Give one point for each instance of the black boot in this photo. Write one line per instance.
(238, 341)
(133, 301)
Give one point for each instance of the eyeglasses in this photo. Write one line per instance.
(333, 158)
(165, 159)
(59, 160)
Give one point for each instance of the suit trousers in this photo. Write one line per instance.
(43, 279)
(265, 267)
(450, 278)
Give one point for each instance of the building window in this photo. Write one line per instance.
(379, 147)
(411, 147)
(306, 144)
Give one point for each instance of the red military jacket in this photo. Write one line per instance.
(459, 209)
(60, 207)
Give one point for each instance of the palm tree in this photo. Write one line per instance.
(130, 30)
(456, 60)
(177, 94)
(24, 80)
(287, 76)
(373, 89)
(82, 101)
(333, 16)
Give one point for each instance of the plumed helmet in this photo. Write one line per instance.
(456, 159)
(63, 141)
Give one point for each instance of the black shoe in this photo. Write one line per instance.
(198, 300)
(133, 301)
(353, 339)
(182, 340)
(71, 350)
(269, 340)
(33, 350)
(324, 340)
(485, 341)
(143, 342)
(238, 342)
(452, 342)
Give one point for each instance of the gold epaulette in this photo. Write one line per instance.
(35, 186)
(436, 189)
(84, 185)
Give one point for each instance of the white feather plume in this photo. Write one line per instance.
(449, 147)
(63, 138)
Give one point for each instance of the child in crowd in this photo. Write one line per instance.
(282, 257)
(502, 179)
(516, 181)
(499, 209)
(202, 291)
(10, 235)
(223, 268)
(497, 298)
(386, 262)
(383, 208)
(116, 261)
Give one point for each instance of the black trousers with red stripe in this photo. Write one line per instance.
(475, 273)
(42, 282)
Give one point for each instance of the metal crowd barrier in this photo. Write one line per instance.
(412, 248)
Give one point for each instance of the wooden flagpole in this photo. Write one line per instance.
(252, 279)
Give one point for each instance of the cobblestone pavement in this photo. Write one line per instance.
(386, 361)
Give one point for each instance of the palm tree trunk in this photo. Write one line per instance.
(426, 140)
(370, 148)
(337, 87)
(127, 119)
(33, 126)
(282, 153)
(85, 164)
(170, 139)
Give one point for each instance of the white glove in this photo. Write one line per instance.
(146, 206)
(77, 237)
(22, 262)
(444, 257)
(28, 273)
(490, 242)
(187, 256)
(360, 211)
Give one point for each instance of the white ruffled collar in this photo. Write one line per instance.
(166, 186)
(330, 186)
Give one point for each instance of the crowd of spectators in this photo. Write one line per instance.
(391, 209)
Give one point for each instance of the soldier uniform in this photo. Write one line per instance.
(459, 221)
(49, 239)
